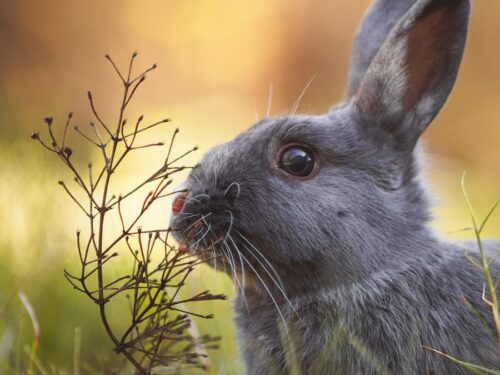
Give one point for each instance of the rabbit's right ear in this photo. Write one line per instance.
(413, 72)
(372, 32)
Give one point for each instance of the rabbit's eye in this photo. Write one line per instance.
(297, 161)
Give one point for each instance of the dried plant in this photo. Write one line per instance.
(158, 331)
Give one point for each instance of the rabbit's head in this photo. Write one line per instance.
(311, 200)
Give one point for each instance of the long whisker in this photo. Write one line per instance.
(229, 256)
(198, 232)
(202, 237)
(179, 219)
(270, 294)
(214, 255)
(269, 100)
(275, 283)
(228, 235)
(190, 199)
(263, 257)
(278, 285)
(230, 224)
(197, 221)
(199, 195)
(223, 262)
(297, 102)
(242, 290)
(242, 264)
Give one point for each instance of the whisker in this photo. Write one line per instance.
(297, 102)
(230, 186)
(229, 256)
(199, 181)
(230, 224)
(179, 219)
(203, 218)
(235, 276)
(197, 221)
(228, 235)
(278, 285)
(223, 263)
(214, 169)
(199, 231)
(202, 237)
(205, 173)
(214, 256)
(263, 257)
(189, 199)
(243, 280)
(269, 99)
(270, 295)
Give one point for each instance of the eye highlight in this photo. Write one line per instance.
(297, 161)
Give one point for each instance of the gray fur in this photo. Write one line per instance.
(340, 273)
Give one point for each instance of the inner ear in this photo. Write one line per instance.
(414, 71)
(426, 57)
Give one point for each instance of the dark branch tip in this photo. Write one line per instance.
(68, 151)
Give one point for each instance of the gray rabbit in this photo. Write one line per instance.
(322, 221)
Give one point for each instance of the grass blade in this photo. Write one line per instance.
(36, 329)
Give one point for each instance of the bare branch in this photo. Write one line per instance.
(159, 318)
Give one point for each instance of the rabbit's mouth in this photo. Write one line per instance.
(204, 235)
(212, 241)
(202, 222)
(215, 238)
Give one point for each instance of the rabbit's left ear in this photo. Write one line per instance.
(412, 74)
(372, 32)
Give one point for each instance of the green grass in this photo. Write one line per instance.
(490, 284)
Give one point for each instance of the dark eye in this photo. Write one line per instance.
(297, 161)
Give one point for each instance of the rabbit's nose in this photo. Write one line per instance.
(179, 203)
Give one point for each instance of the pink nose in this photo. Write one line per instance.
(178, 204)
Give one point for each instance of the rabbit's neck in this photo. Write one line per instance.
(312, 319)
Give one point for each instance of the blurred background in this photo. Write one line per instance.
(218, 62)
